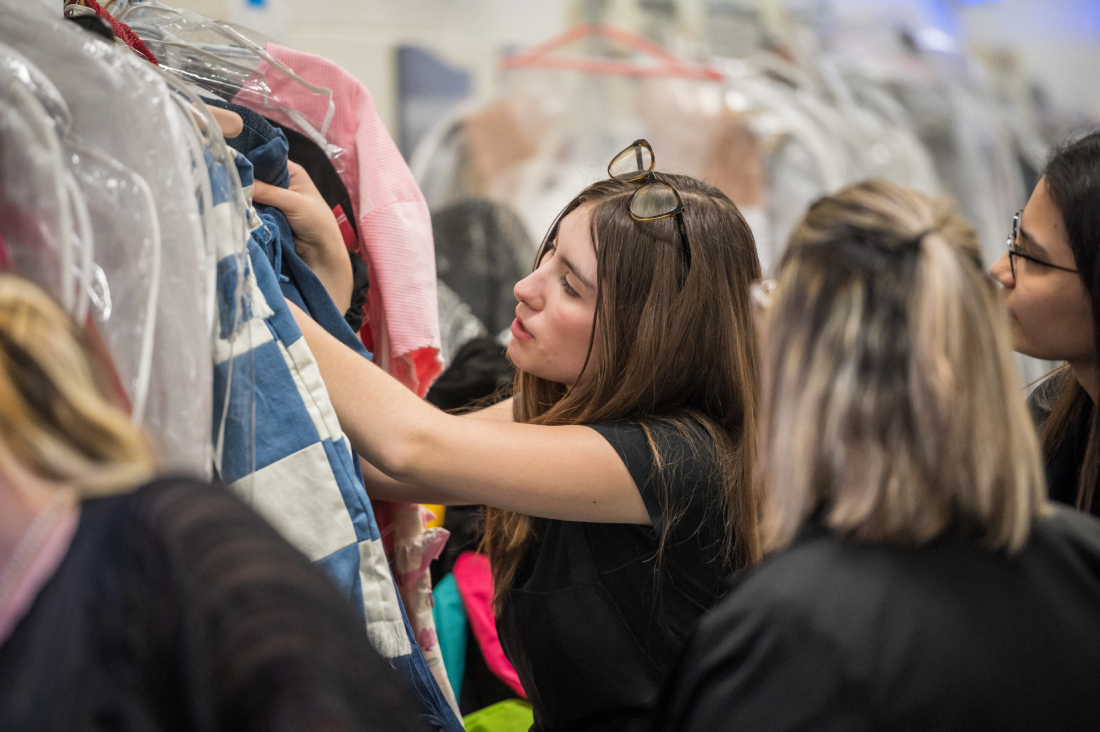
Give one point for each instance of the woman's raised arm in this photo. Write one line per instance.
(569, 472)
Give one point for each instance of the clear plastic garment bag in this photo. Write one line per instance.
(119, 117)
(229, 62)
(121, 215)
(36, 192)
(772, 136)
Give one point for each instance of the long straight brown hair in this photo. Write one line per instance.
(676, 345)
(1073, 182)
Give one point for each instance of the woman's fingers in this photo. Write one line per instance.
(230, 122)
(301, 182)
(287, 201)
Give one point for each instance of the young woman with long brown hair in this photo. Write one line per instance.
(620, 475)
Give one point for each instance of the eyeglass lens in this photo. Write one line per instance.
(632, 163)
(653, 200)
(1012, 243)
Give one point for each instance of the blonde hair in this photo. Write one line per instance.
(891, 406)
(55, 417)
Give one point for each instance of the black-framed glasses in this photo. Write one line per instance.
(655, 198)
(1014, 253)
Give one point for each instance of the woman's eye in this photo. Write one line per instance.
(568, 290)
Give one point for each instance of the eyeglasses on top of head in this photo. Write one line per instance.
(655, 198)
(1014, 253)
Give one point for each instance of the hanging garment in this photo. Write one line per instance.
(266, 147)
(475, 584)
(394, 225)
(415, 548)
(477, 254)
(120, 105)
(304, 479)
(451, 628)
(322, 172)
(510, 715)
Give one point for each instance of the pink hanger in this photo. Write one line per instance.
(668, 65)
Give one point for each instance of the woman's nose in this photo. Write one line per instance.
(527, 291)
(1002, 271)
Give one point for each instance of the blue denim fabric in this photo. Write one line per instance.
(272, 241)
(265, 146)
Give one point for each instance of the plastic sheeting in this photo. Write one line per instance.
(230, 62)
(119, 115)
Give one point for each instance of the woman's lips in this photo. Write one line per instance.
(519, 332)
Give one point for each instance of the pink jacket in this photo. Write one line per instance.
(401, 326)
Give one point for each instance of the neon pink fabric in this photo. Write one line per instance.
(475, 585)
(401, 326)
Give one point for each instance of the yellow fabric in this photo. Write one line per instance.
(439, 511)
(511, 715)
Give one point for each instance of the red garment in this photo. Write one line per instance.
(121, 30)
(475, 584)
(401, 327)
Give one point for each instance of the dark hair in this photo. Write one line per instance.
(1073, 181)
(677, 343)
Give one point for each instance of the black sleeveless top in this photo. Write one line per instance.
(593, 625)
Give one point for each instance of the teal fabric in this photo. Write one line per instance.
(450, 629)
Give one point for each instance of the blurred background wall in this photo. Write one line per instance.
(1056, 42)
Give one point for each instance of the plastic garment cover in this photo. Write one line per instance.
(230, 62)
(551, 133)
(35, 190)
(122, 217)
(477, 254)
(121, 106)
(770, 136)
(457, 323)
(981, 151)
(226, 216)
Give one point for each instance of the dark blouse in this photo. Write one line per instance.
(178, 608)
(595, 622)
(837, 635)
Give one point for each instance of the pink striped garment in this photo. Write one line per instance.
(401, 324)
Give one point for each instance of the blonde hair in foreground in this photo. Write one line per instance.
(890, 399)
(55, 419)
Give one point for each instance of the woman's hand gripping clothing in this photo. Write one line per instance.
(317, 237)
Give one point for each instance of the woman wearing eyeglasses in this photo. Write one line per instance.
(917, 577)
(1051, 277)
(620, 475)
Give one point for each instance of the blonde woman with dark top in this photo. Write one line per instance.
(917, 577)
(132, 603)
(620, 475)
